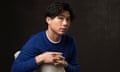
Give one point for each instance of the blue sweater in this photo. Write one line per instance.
(38, 44)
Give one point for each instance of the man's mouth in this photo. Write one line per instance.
(64, 29)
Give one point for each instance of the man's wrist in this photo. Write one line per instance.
(39, 59)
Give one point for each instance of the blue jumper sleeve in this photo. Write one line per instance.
(73, 65)
(25, 62)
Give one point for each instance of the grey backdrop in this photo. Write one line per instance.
(96, 28)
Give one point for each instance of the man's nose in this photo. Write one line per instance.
(65, 22)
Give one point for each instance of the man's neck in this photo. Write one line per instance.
(53, 37)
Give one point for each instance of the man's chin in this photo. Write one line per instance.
(62, 33)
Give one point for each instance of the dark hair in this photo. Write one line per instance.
(57, 8)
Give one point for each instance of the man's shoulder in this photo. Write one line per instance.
(69, 38)
(37, 35)
(40, 33)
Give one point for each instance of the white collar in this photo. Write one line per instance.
(54, 42)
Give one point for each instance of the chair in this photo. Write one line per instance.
(16, 54)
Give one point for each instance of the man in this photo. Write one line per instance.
(52, 46)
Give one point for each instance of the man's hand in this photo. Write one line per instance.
(55, 58)
(61, 62)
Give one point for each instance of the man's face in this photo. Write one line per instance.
(60, 24)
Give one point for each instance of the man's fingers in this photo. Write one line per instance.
(54, 54)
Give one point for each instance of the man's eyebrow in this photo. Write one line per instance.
(61, 15)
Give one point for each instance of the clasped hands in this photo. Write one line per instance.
(55, 58)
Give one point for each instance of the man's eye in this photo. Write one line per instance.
(60, 18)
(68, 19)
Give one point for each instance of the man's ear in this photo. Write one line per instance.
(48, 20)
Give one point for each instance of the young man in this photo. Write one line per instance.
(52, 46)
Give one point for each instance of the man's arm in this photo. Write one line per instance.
(73, 64)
